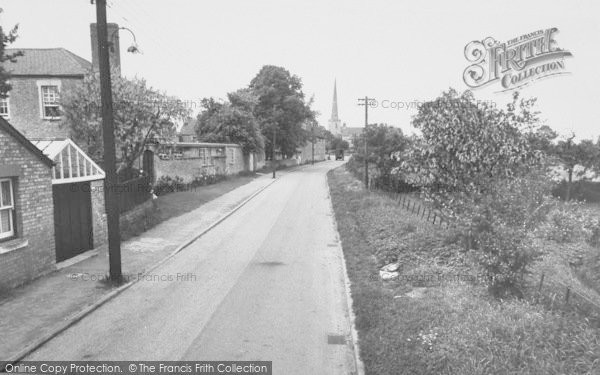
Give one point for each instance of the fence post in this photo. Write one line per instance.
(419, 210)
(434, 216)
(428, 215)
(567, 296)
(413, 208)
(541, 283)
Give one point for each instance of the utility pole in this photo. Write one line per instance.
(365, 102)
(273, 151)
(312, 132)
(108, 136)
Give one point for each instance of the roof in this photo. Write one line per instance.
(71, 163)
(189, 127)
(47, 62)
(351, 131)
(6, 126)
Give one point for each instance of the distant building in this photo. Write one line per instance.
(335, 124)
(350, 134)
(187, 133)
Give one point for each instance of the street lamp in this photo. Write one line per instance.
(134, 48)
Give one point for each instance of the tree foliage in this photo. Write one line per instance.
(467, 145)
(5, 40)
(231, 122)
(385, 144)
(141, 114)
(584, 153)
(485, 167)
(281, 108)
(337, 143)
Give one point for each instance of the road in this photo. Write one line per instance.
(265, 284)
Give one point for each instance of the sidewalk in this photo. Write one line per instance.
(43, 306)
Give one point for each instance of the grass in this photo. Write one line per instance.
(178, 203)
(412, 325)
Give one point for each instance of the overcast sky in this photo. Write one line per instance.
(400, 51)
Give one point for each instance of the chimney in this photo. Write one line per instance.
(113, 47)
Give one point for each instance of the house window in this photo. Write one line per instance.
(7, 208)
(50, 102)
(4, 107)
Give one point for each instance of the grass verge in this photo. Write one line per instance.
(435, 317)
(178, 203)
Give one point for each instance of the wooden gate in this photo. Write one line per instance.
(72, 219)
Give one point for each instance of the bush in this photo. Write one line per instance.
(581, 190)
(566, 225)
(505, 254)
(168, 184)
(593, 228)
(500, 227)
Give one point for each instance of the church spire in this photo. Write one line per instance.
(334, 109)
(335, 125)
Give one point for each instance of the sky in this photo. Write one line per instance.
(394, 51)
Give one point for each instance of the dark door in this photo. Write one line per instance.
(72, 219)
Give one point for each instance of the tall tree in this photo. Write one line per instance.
(5, 40)
(466, 144)
(542, 139)
(231, 122)
(584, 154)
(281, 108)
(385, 144)
(481, 169)
(141, 114)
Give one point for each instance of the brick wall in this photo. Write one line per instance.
(32, 185)
(233, 163)
(24, 107)
(234, 160)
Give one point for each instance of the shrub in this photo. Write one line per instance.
(505, 253)
(566, 225)
(168, 184)
(593, 228)
(499, 226)
(581, 190)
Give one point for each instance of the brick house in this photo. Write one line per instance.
(51, 204)
(52, 198)
(38, 77)
(26, 209)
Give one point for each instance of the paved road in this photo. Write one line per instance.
(266, 284)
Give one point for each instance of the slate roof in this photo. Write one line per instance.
(47, 62)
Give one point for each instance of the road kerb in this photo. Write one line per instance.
(360, 367)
